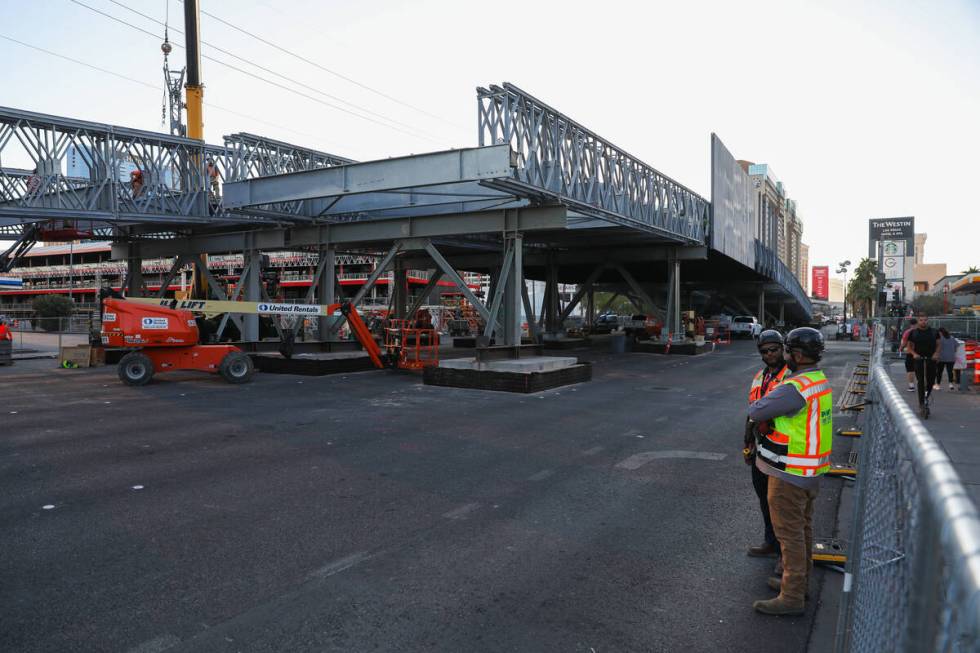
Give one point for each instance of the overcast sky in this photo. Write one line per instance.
(863, 109)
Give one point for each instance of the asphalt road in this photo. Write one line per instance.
(370, 512)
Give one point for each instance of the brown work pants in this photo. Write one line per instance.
(791, 509)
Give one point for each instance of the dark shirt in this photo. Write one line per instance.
(924, 341)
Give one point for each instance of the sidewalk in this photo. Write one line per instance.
(954, 423)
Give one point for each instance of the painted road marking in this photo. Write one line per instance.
(340, 565)
(593, 451)
(540, 476)
(461, 512)
(639, 460)
(155, 645)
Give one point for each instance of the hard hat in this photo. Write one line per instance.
(770, 336)
(807, 341)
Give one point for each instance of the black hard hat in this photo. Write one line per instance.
(807, 341)
(770, 336)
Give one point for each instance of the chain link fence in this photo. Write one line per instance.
(912, 582)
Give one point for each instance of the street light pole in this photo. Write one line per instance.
(842, 268)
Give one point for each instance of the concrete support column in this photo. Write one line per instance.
(782, 312)
(253, 293)
(761, 314)
(326, 285)
(513, 302)
(590, 313)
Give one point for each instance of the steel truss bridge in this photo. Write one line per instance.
(540, 197)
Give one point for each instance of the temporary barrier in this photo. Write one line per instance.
(912, 581)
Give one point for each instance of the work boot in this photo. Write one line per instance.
(779, 607)
(765, 550)
(776, 583)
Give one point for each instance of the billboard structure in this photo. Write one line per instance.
(891, 242)
(820, 282)
(732, 209)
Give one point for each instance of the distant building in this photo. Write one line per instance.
(778, 224)
(805, 268)
(836, 291)
(926, 275)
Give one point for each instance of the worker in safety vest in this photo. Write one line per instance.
(796, 432)
(5, 333)
(769, 377)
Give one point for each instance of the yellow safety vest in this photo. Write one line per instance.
(800, 444)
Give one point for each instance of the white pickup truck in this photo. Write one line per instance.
(745, 326)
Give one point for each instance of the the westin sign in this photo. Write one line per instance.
(891, 229)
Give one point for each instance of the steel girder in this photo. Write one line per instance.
(399, 174)
(560, 158)
(369, 233)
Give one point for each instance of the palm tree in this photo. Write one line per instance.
(971, 270)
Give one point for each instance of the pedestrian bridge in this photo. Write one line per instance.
(584, 210)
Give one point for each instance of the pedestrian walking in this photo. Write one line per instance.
(960, 364)
(796, 433)
(923, 345)
(947, 358)
(909, 360)
(768, 378)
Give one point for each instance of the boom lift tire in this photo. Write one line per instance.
(237, 367)
(135, 369)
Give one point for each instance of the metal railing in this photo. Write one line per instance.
(768, 263)
(913, 571)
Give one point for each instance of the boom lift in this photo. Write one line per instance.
(166, 339)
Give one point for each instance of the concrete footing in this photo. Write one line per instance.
(531, 374)
(313, 364)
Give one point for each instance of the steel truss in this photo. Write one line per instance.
(562, 158)
(176, 185)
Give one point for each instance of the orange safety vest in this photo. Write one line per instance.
(756, 393)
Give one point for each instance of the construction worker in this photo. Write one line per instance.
(136, 182)
(5, 333)
(769, 377)
(213, 176)
(796, 431)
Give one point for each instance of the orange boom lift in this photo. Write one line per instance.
(165, 339)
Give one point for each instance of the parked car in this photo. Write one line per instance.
(606, 323)
(745, 326)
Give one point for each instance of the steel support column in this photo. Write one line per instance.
(782, 313)
(676, 314)
(326, 285)
(512, 293)
(453, 276)
(399, 289)
(761, 315)
(134, 271)
(532, 325)
(253, 293)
